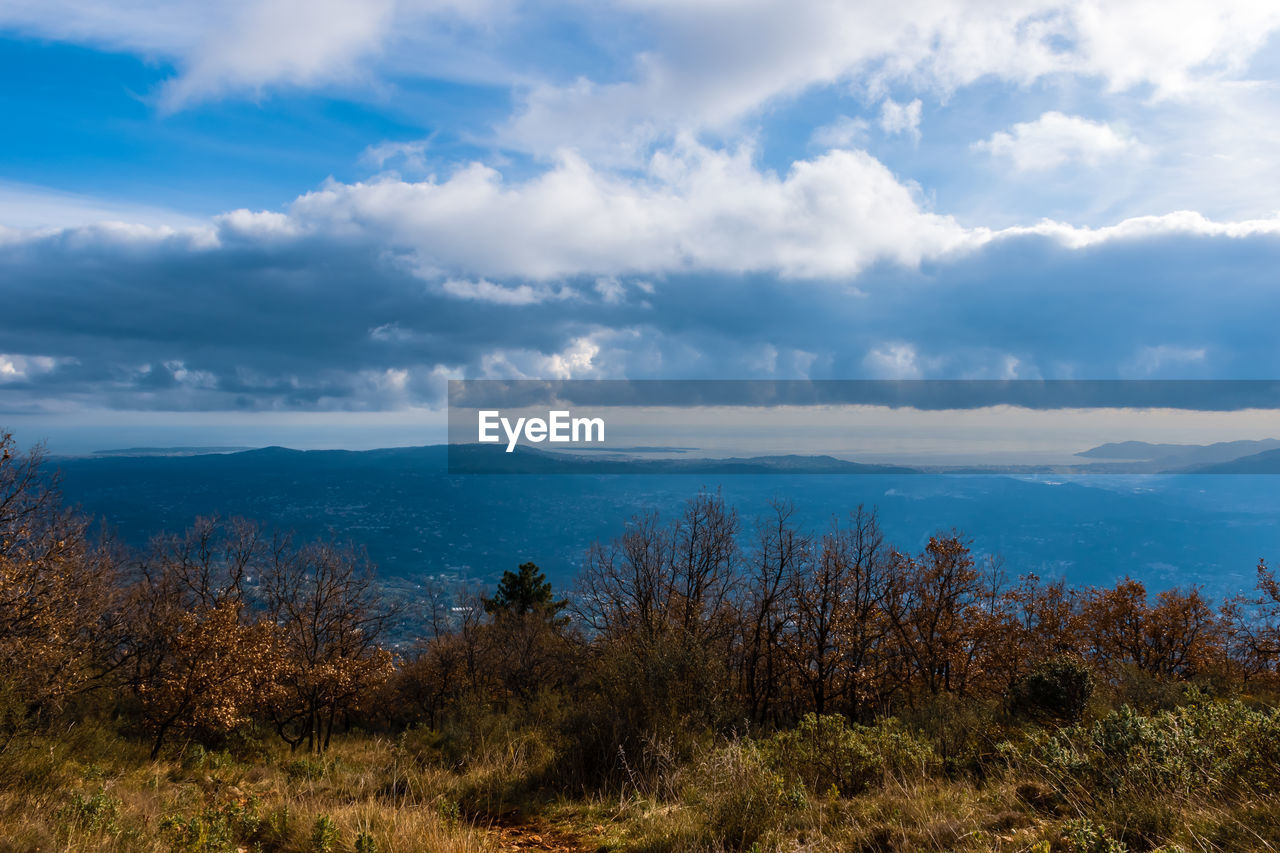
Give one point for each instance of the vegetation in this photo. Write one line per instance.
(710, 684)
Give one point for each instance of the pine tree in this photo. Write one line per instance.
(523, 592)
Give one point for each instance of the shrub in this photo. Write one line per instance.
(741, 799)
(98, 812)
(1206, 751)
(305, 769)
(324, 835)
(1084, 836)
(1057, 690)
(422, 746)
(216, 829)
(826, 752)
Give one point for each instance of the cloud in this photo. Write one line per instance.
(324, 308)
(1054, 140)
(245, 48)
(1152, 360)
(693, 208)
(14, 367)
(716, 64)
(893, 361)
(410, 155)
(696, 66)
(844, 132)
(1182, 222)
(28, 206)
(898, 118)
(487, 291)
(281, 42)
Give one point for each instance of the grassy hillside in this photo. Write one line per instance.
(1200, 776)
(709, 684)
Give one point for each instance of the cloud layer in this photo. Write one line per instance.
(666, 188)
(367, 296)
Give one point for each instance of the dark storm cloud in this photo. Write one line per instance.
(308, 322)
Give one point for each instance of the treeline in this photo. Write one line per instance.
(706, 623)
(701, 624)
(205, 633)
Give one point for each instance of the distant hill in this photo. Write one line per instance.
(168, 451)
(1144, 457)
(418, 520)
(482, 459)
(1257, 463)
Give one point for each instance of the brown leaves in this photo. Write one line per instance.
(57, 591)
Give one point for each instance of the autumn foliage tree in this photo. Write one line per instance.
(198, 661)
(933, 605)
(1172, 637)
(676, 627)
(59, 615)
(328, 619)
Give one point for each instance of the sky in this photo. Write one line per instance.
(291, 222)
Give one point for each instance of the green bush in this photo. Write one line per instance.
(1084, 836)
(422, 746)
(217, 828)
(1057, 690)
(1204, 750)
(98, 812)
(826, 752)
(305, 769)
(324, 835)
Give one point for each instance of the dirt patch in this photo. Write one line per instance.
(535, 835)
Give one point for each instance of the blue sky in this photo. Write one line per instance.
(252, 220)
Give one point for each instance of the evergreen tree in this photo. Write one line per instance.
(523, 592)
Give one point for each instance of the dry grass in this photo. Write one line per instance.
(101, 794)
(90, 790)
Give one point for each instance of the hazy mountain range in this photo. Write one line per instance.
(417, 520)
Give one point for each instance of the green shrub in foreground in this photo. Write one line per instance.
(1208, 750)
(826, 752)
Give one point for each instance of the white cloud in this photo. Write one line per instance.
(487, 291)
(477, 236)
(243, 47)
(1153, 359)
(14, 367)
(575, 361)
(898, 118)
(410, 155)
(1055, 139)
(693, 208)
(1186, 222)
(893, 361)
(290, 42)
(611, 290)
(716, 63)
(29, 206)
(701, 66)
(844, 132)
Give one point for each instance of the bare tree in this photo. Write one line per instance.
(837, 623)
(779, 550)
(329, 619)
